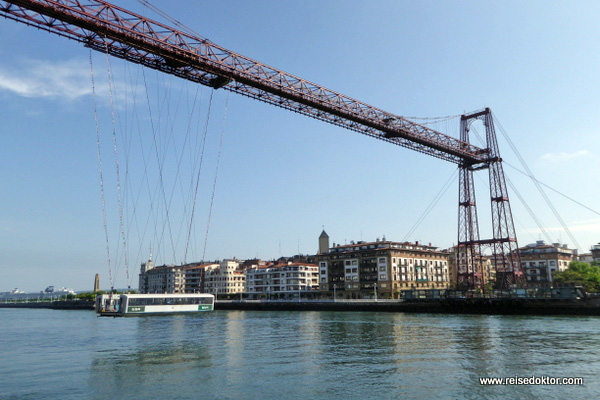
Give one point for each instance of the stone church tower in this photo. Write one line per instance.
(323, 243)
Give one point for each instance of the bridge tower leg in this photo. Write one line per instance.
(468, 256)
(504, 247)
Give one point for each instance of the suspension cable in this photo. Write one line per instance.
(117, 168)
(432, 119)
(433, 203)
(161, 185)
(538, 186)
(212, 197)
(554, 190)
(110, 278)
(529, 210)
(172, 20)
(187, 243)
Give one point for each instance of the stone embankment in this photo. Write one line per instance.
(447, 306)
(450, 306)
(53, 305)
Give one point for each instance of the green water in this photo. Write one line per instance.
(46, 354)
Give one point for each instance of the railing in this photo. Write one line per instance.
(311, 301)
(525, 293)
(34, 300)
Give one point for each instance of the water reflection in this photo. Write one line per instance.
(150, 354)
(317, 355)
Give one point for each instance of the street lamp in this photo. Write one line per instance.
(375, 287)
(334, 293)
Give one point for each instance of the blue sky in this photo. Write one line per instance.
(283, 176)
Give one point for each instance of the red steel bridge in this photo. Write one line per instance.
(105, 27)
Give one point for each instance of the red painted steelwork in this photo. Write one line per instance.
(504, 246)
(106, 27)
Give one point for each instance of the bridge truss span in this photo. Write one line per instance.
(105, 27)
(109, 28)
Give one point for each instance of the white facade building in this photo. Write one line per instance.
(226, 278)
(283, 280)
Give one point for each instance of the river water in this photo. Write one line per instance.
(47, 354)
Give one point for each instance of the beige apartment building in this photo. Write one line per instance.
(381, 268)
(226, 278)
(540, 260)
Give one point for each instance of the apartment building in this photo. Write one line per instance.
(381, 268)
(195, 277)
(226, 278)
(162, 279)
(539, 260)
(283, 281)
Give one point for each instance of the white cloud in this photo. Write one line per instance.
(67, 80)
(42, 79)
(589, 226)
(560, 157)
(585, 231)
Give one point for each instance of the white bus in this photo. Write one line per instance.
(125, 305)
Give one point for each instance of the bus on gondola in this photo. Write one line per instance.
(127, 305)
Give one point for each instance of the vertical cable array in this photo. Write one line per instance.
(160, 164)
(212, 197)
(110, 278)
(187, 243)
(117, 169)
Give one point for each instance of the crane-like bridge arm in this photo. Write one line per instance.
(108, 28)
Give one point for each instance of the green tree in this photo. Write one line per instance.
(89, 295)
(580, 273)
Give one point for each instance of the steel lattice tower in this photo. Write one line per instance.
(504, 246)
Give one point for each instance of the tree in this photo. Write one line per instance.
(89, 295)
(86, 296)
(580, 273)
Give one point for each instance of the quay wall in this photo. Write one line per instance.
(449, 306)
(54, 305)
